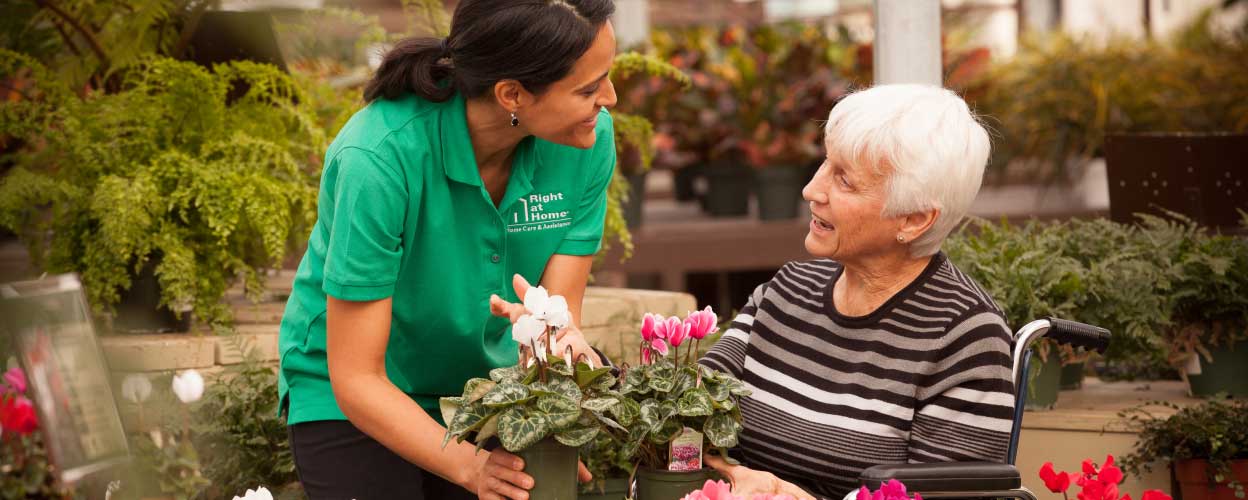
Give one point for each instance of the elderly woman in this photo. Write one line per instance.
(879, 350)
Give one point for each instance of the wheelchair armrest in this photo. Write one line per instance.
(945, 476)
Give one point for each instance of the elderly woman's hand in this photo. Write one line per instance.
(746, 481)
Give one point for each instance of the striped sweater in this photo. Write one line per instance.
(924, 378)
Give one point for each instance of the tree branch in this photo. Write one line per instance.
(86, 34)
(69, 41)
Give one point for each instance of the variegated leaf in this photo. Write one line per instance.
(507, 394)
(517, 429)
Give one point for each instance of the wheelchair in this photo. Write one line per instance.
(991, 479)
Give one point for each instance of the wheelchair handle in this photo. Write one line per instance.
(1076, 334)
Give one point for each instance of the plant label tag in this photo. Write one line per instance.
(685, 451)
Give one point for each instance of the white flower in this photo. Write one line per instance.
(260, 493)
(541, 351)
(527, 330)
(188, 386)
(552, 309)
(136, 388)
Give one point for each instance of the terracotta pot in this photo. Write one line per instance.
(1194, 483)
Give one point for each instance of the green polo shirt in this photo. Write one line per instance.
(403, 214)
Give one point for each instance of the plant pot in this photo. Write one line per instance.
(1044, 378)
(1072, 376)
(653, 484)
(636, 198)
(139, 309)
(684, 182)
(779, 189)
(1194, 484)
(1227, 372)
(613, 488)
(553, 468)
(728, 189)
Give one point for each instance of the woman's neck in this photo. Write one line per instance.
(493, 138)
(867, 284)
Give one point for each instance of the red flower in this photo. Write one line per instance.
(1089, 468)
(18, 415)
(1155, 495)
(1054, 481)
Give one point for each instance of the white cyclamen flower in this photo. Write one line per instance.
(136, 388)
(188, 386)
(553, 309)
(260, 493)
(527, 330)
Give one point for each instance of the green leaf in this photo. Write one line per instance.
(506, 374)
(476, 388)
(518, 430)
(651, 416)
(662, 378)
(636, 436)
(599, 405)
(717, 390)
(670, 429)
(721, 430)
(635, 381)
(695, 403)
(558, 386)
(448, 406)
(586, 376)
(577, 436)
(466, 420)
(488, 430)
(560, 411)
(626, 411)
(507, 394)
(557, 365)
(609, 422)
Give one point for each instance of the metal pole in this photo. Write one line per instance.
(907, 42)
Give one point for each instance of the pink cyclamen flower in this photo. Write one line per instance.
(674, 330)
(659, 346)
(702, 323)
(647, 327)
(768, 496)
(713, 490)
(15, 380)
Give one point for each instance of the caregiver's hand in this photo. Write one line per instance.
(499, 476)
(746, 481)
(570, 336)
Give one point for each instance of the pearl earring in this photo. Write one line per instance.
(901, 239)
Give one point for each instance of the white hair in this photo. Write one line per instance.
(928, 143)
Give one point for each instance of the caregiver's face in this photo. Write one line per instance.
(567, 112)
(846, 204)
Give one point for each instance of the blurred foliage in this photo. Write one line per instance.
(1166, 288)
(1061, 95)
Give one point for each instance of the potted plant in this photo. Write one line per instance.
(1205, 444)
(1095, 482)
(543, 408)
(1026, 274)
(672, 409)
(167, 171)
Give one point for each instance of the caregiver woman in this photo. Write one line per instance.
(478, 158)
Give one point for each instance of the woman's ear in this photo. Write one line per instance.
(510, 94)
(916, 224)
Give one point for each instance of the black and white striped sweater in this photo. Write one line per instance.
(924, 378)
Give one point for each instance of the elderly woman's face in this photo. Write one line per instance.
(847, 203)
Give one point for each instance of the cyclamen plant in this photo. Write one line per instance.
(719, 490)
(544, 395)
(668, 392)
(1096, 483)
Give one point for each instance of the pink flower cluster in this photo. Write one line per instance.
(719, 490)
(658, 334)
(892, 490)
(17, 414)
(1095, 483)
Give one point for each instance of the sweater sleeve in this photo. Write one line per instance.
(728, 353)
(966, 404)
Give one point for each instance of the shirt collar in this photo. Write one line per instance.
(460, 163)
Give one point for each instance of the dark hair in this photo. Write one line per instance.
(534, 42)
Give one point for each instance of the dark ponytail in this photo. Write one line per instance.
(535, 42)
(413, 65)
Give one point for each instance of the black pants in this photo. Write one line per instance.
(338, 462)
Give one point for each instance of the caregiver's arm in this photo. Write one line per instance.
(357, 334)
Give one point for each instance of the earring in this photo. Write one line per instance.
(514, 121)
(901, 239)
